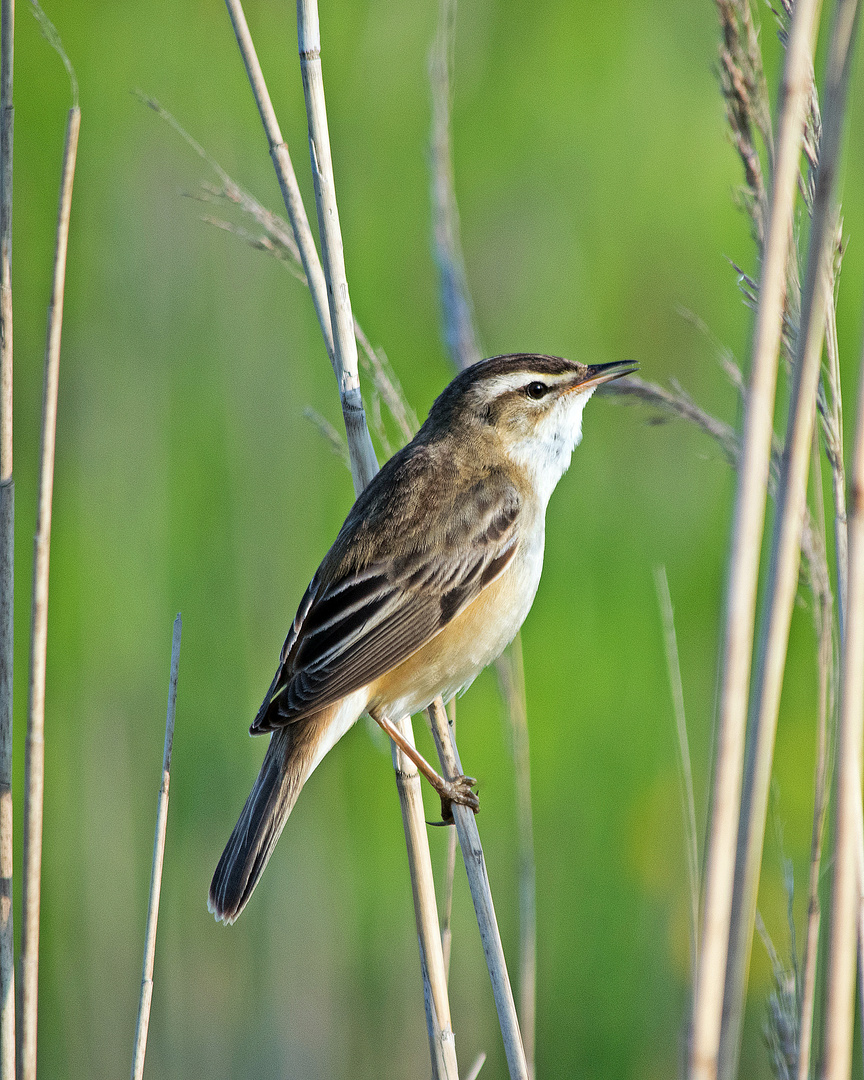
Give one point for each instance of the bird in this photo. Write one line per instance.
(429, 579)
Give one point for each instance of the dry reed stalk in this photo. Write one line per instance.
(7, 548)
(332, 255)
(462, 341)
(481, 894)
(845, 892)
(748, 523)
(474, 1071)
(786, 550)
(364, 467)
(823, 618)
(143, 1023)
(442, 1043)
(35, 745)
(511, 678)
(278, 240)
(363, 464)
(449, 873)
(332, 305)
(688, 800)
(460, 334)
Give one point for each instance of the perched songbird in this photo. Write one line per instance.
(428, 581)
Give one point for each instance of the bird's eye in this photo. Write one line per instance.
(536, 390)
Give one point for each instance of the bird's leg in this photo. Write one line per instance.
(457, 790)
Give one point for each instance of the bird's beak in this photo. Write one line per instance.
(602, 373)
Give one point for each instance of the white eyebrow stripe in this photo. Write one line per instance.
(518, 380)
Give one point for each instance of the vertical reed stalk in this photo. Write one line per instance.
(442, 1044)
(845, 892)
(332, 306)
(449, 873)
(824, 625)
(363, 464)
(786, 542)
(143, 1024)
(748, 523)
(481, 894)
(7, 547)
(462, 340)
(332, 255)
(35, 747)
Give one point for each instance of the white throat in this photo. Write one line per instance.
(546, 454)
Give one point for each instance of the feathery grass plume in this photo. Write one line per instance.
(745, 92)
(780, 1028)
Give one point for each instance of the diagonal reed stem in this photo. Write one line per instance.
(143, 1023)
(35, 746)
(511, 678)
(481, 894)
(748, 523)
(786, 543)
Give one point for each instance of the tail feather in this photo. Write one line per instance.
(289, 760)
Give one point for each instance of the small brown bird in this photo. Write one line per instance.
(428, 581)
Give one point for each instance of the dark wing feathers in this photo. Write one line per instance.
(356, 622)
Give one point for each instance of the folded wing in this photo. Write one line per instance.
(356, 622)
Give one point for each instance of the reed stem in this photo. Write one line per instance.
(143, 1023)
(35, 745)
(7, 548)
(846, 884)
(481, 894)
(786, 546)
(747, 527)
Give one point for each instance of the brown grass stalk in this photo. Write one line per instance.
(35, 745)
(143, 1023)
(748, 523)
(481, 894)
(7, 548)
(785, 551)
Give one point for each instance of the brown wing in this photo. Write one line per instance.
(364, 620)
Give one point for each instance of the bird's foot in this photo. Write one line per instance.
(458, 790)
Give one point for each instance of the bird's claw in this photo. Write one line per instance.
(458, 790)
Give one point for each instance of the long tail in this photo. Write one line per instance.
(290, 758)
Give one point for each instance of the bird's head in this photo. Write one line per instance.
(529, 405)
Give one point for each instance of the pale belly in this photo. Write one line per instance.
(476, 637)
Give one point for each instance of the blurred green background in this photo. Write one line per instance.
(596, 184)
